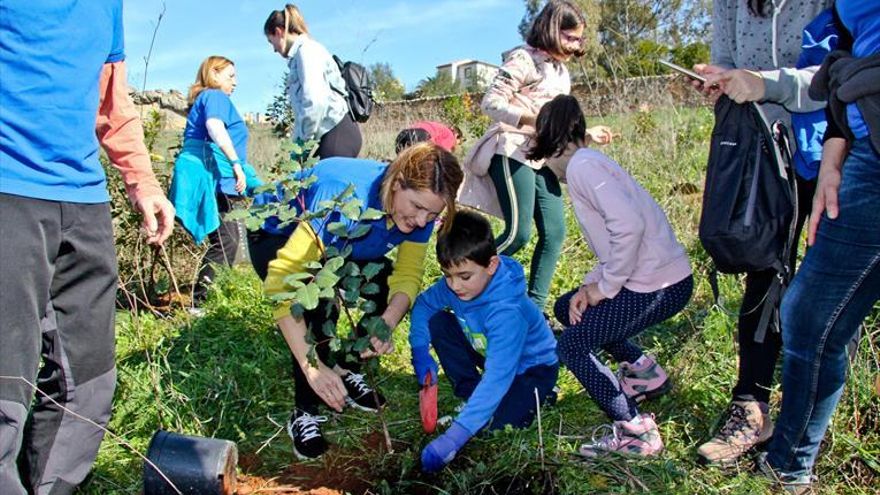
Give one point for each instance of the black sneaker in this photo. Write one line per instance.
(308, 442)
(360, 395)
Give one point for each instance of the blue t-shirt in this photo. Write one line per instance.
(52, 54)
(862, 19)
(334, 175)
(215, 104)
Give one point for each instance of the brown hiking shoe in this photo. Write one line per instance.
(745, 428)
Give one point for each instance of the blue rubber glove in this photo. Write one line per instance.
(423, 362)
(442, 450)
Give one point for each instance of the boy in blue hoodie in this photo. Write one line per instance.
(480, 316)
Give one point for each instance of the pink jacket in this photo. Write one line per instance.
(624, 226)
(528, 79)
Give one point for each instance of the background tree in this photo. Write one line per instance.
(440, 84)
(388, 87)
(279, 112)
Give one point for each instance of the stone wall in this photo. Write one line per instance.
(170, 104)
(597, 99)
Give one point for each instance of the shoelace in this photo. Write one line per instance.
(307, 426)
(357, 381)
(605, 442)
(736, 421)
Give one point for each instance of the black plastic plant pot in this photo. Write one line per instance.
(194, 464)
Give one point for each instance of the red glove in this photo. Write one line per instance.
(428, 404)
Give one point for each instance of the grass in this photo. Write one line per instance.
(227, 375)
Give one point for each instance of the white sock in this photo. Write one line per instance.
(641, 361)
(636, 420)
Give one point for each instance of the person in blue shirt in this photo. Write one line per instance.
(211, 172)
(411, 192)
(838, 283)
(63, 92)
(480, 316)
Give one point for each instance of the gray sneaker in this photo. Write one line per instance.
(795, 485)
(746, 426)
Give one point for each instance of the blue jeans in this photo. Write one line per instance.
(834, 290)
(461, 362)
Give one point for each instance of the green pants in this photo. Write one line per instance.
(525, 193)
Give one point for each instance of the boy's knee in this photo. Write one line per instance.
(440, 325)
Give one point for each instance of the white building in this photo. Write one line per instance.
(469, 73)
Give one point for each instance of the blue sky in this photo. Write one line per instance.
(414, 36)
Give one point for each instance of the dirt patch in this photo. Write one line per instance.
(339, 471)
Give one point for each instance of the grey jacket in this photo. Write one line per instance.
(770, 45)
(315, 89)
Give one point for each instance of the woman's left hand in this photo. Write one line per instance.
(600, 134)
(240, 180)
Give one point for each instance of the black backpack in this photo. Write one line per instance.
(750, 200)
(359, 85)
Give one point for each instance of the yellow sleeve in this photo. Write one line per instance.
(302, 247)
(408, 270)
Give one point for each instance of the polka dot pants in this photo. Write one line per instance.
(609, 326)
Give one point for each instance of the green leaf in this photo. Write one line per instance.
(351, 269)
(371, 214)
(361, 344)
(329, 328)
(308, 296)
(314, 265)
(338, 229)
(328, 293)
(282, 297)
(359, 231)
(297, 310)
(351, 295)
(296, 276)
(346, 251)
(368, 306)
(371, 270)
(334, 263)
(351, 283)
(370, 289)
(377, 327)
(352, 209)
(236, 215)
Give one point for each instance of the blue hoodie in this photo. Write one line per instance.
(502, 323)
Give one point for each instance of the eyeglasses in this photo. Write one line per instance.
(571, 38)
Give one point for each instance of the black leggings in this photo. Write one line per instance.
(757, 360)
(343, 140)
(222, 246)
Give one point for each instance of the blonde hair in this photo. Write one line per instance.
(424, 166)
(206, 77)
(290, 20)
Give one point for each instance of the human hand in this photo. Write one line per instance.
(380, 347)
(423, 363)
(240, 180)
(158, 216)
(327, 384)
(738, 84)
(827, 185)
(577, 305)
(706, 70)
(594, 295)
(600, 134)
(442, 450)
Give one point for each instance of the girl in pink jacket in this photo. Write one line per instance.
(497, 167)
(642, 278)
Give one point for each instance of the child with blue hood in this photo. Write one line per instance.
(479, 316)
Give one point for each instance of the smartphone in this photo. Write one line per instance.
(691, 74)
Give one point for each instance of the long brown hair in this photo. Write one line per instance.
(206, 77)
(290, 20)
(424, 166)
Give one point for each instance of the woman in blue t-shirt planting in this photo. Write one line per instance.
(211, 173)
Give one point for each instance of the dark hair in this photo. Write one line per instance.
(289, 20)
(469, 237)
(409, 137)
(758, 8)
(559, 122)
(556, 16)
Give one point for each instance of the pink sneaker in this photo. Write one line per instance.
(643, 382)
(627, 437)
